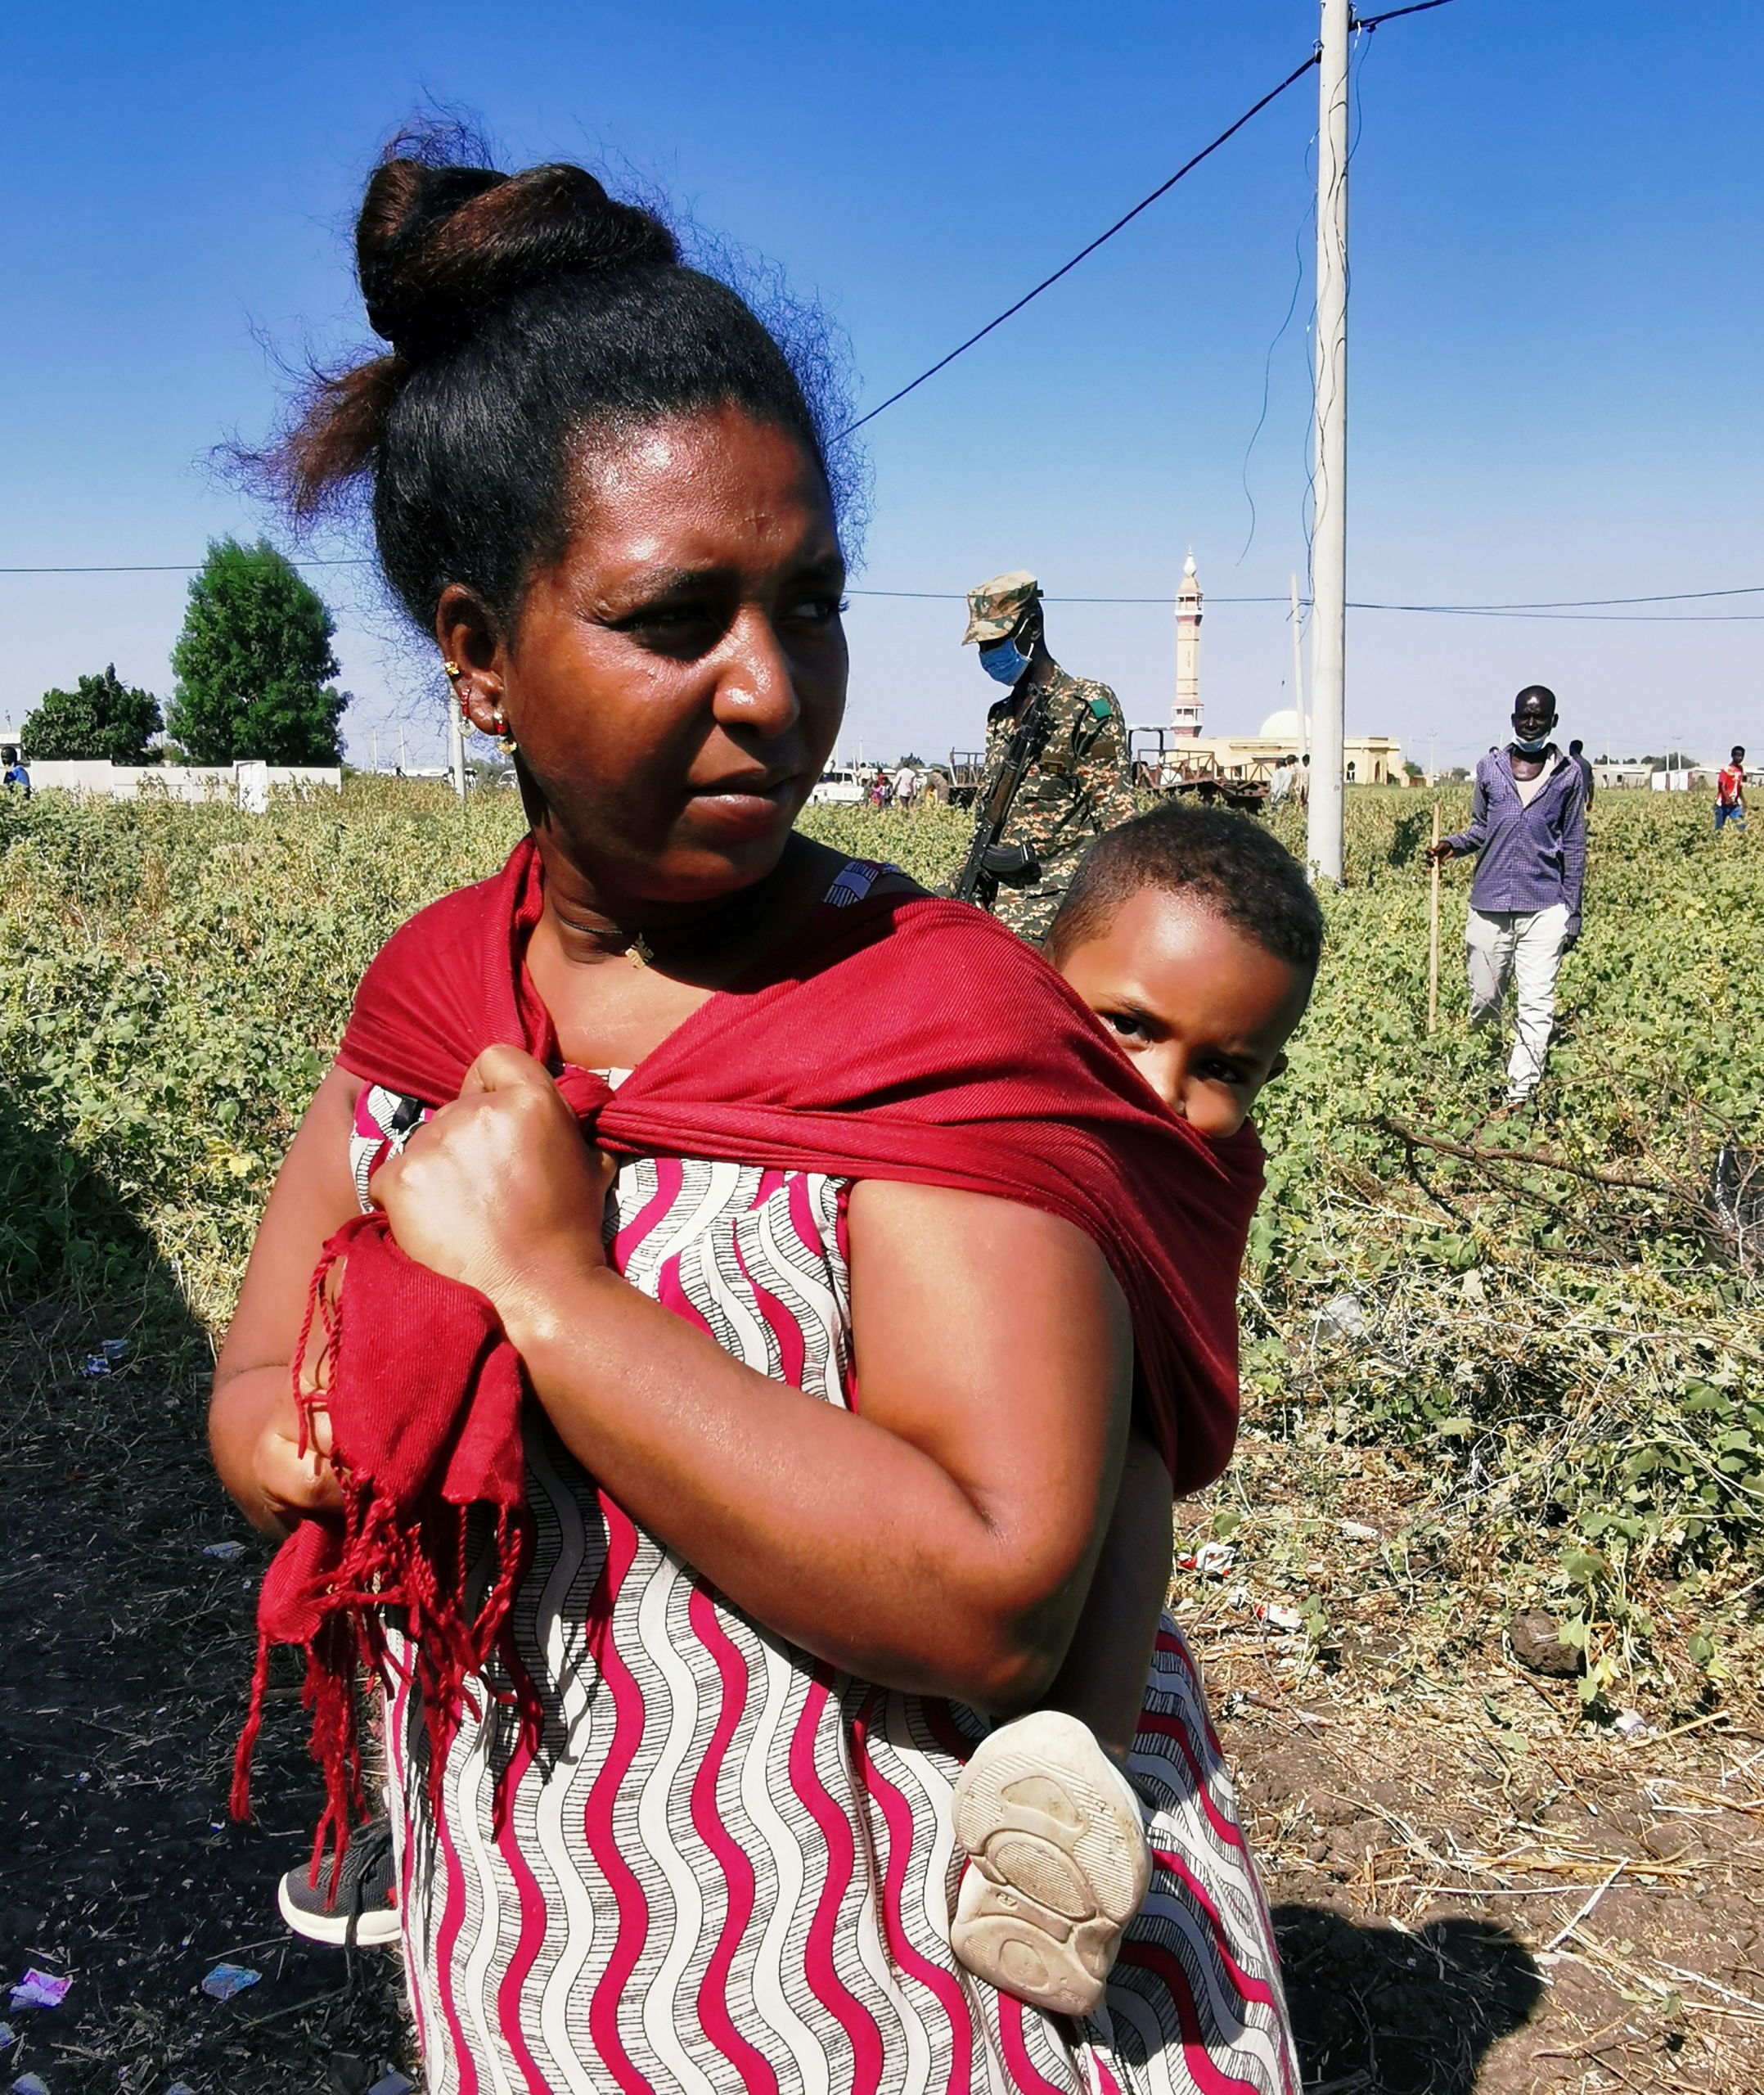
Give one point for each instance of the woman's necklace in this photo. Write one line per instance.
(642, 949)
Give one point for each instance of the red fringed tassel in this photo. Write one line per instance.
(332, 1586)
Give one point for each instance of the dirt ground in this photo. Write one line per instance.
(1474, 1889)
(126, 1653)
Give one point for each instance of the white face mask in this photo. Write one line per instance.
(1531, 748)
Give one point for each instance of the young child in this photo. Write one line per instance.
(1194, 937)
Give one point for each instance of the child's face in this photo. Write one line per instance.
(1201, 1011)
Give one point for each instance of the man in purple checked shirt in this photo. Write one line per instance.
(1528, 827)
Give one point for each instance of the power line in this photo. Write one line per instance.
(1145, 203)
(1188, 167)
(1562, 606)
(175, 567)
(1579, 609)
(1391, 14)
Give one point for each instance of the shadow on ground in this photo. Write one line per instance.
(124, 1656)
(1380, 2012)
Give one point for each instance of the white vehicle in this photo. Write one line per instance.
(839, 782)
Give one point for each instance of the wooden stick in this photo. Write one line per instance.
(1433, 938)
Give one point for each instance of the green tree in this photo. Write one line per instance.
(103, 718)
(253, 663)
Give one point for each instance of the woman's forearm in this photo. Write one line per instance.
(240, 1410)
(830, 1530)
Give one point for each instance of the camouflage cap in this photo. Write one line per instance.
(994, 608)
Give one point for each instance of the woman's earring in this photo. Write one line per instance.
(452, 667)
(504, 739)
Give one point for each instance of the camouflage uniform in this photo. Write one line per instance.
(1078, 785)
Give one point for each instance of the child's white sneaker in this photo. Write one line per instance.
(1058, 1861)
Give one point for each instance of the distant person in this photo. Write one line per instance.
(1280, 783)
(16, 779)
(1078, 783)
(1577, 751)
(1729, 791)
(1528, 828)
(906, 786)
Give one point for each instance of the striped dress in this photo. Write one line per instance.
(729, 1867)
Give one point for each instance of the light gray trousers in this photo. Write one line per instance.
(1525, 944)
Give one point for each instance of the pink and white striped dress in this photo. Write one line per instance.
(731, 1867)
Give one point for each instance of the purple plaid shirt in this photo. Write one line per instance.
(1530, 858)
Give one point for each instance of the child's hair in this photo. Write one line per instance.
(1227, 862)
(1739, 755)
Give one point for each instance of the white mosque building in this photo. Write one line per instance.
(1369, 760)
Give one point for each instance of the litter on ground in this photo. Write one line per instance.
(40, 1989)
(224, 1552)
(1213, 1559)
(227, 1979)
(1288, 1618)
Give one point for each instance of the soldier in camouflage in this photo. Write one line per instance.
(1079, 784)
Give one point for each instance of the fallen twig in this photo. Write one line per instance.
(1569, 1928)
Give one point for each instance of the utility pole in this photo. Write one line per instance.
(1328, 542)
(457, 748)
(1298, 676)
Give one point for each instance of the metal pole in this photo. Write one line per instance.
(1299, 677)
(1433, 938)
(1329, 542)
(456, 748)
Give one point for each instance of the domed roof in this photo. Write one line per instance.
(1281, 727)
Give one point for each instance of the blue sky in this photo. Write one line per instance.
(1556, 320)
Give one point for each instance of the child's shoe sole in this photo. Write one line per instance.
(1058, 1862)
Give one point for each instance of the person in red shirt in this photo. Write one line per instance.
(1730, 792)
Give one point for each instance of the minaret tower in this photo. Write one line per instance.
(1184, 715)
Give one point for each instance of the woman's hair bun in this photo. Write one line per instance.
(438, 249)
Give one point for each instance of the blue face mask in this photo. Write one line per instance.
(1003, 664)
(1530, 748)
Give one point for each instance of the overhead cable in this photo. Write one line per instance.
(1391, 14)
(1298, 73)
(1581, 608)
(1188, 167)
(1564, 606)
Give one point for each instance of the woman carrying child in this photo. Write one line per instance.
(771, 1273)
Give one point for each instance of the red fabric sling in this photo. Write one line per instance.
(906, 1037)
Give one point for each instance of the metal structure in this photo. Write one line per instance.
(1166, 761)
(1329, 541)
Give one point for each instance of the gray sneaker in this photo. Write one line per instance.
(365, 1912)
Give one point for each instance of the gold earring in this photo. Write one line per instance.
(450, 666)
(503, 736)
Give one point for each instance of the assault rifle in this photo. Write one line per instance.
(990, 864)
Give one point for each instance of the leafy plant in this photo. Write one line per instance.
(254, 662)
(1556, 1320)
(102, 720)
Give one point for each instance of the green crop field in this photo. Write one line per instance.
(1491, 1368)
(1556, 1316)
